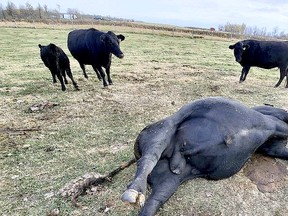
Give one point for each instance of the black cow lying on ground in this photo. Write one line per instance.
(58, 63)
(210, 138)
(263, 54)
(93, 47)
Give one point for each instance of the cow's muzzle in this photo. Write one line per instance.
(120, 56)
(238, 60)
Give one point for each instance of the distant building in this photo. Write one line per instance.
(68, 16)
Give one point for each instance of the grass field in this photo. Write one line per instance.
(94, 129)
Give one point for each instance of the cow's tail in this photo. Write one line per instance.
(80, 185)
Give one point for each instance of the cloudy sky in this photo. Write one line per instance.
(195, 13)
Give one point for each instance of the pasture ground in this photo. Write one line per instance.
(94, 129)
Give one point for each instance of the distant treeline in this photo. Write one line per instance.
(28, 13)
(252, 31)
(42, 13)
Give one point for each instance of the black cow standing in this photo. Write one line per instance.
(210, 138)
(58, 63)
(263, 54)
(93, 47)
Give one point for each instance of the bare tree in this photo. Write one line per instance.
(275, 31)
(2, 14)
(40, 11)
(29, 11)
(11, 10)
(45, 10)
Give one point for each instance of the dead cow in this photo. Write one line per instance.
(210, 138)
(58, 63)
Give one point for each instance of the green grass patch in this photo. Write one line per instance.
(94, 129)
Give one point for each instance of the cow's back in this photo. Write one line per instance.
(84, 44)
(265, 54)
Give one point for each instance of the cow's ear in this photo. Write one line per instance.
(52, 46)
(232, 46)
(39, 45)
(246, 46)
(110, 32)
(103, 38)
(121, 37)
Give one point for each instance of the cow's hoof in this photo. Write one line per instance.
(176, 171)
(134, 197)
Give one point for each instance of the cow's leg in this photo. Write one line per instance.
(286, 77)
(151, 143)
(135, 193)
(283, 73)
(163, 184)
(102, 74)
(59, 75)
(53, 75)
(69, 74)
(244, 73)
(64, 76)
(108, 74)
(177, 161)
(83, 69)
(97, 73)
(276, 147)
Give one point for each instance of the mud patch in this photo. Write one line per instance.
(267, 173)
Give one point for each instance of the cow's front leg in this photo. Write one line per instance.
(244, 73)
(97, 72)
(108, 75)
(98, 69)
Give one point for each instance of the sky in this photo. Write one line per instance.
(269, 14)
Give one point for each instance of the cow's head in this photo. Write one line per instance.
(111, 42)
(239, 49)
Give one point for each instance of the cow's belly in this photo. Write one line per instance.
(267, 66)
(208, 148)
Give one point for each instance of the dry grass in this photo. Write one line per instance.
(94, 129)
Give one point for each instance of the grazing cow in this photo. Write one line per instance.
(263, 54)
(58, 63)
(93, 47)
(210, 138)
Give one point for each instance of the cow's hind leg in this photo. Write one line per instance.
(283, 73)
(69, 74)
(163, 184)
(150, 145)
(61, 81)
(275, 147)
(64, 76)
(286, 77)
(53, 75)
(135, 193)
(97, 73)
(83, 69)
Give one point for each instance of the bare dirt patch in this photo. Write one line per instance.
(267, 173)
